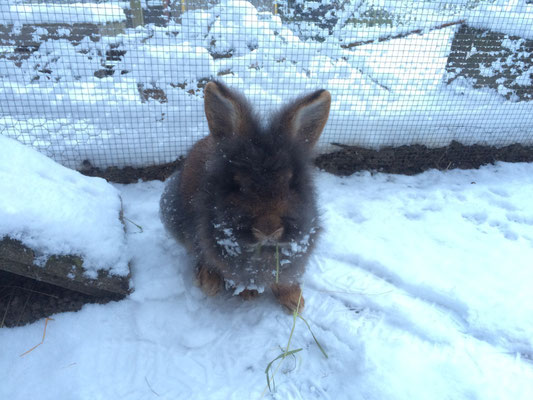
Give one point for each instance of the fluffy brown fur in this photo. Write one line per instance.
(246, 189)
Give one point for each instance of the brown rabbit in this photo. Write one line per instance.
(243, 202)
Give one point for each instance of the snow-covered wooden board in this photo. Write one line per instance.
(59, 226)
(62, 270)
(489, 59)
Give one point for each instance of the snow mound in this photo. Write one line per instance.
(169, 63)
(58, 211)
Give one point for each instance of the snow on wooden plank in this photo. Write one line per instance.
(484, 58)
(62, 270)
(59, 226)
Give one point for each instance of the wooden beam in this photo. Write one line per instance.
(401, 35)
(61, 270)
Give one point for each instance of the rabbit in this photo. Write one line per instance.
(243, 201)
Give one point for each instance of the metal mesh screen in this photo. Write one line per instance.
(120, 83)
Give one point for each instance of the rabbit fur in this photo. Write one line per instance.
(244, 199)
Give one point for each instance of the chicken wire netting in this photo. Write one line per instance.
(120, 83)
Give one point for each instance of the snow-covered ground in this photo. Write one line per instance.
(420, 288)
(389, 93)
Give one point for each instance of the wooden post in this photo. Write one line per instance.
(166, 7)
(137, 13)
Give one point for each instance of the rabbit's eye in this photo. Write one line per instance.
(293, 182)
(287, 178)
(290, 224)
(234, 187)
(289, 220)
(238, 183)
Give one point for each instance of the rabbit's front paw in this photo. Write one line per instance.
(289, 296)
(209, 281)
(249, 294)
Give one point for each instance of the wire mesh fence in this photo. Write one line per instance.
(120, 83)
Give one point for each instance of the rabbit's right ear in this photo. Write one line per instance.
(306, 117)
(227, 112)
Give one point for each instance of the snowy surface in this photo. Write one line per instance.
(55, 210)
(60, 13)
(419, 289)
(513, 17)
(384, 94)
(397, 16)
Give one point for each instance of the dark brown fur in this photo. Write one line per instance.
(246, 189)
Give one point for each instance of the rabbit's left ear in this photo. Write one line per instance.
(306, 117)
(227, 112)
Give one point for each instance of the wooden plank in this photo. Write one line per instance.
(136, 13)
(400, 35)
(27, 36)
(31, 36)
(62, 270)
(492, 60)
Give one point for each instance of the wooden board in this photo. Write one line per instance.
(62, 270)
(492, 60)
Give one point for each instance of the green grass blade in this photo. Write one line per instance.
(282, 356)
(131, 222)
(277, 264)
(314, 337)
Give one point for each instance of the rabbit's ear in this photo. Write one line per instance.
(306, 117)
(227, 112)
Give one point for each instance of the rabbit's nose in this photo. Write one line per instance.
(272, 237)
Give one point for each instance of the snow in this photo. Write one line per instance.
(526, 78)
(389, 93)
(410, 15)
(419, 288)
(512, 17)
(58, 211)
(478, 213)
(421, 71)
(195, 63)
(95, 13)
